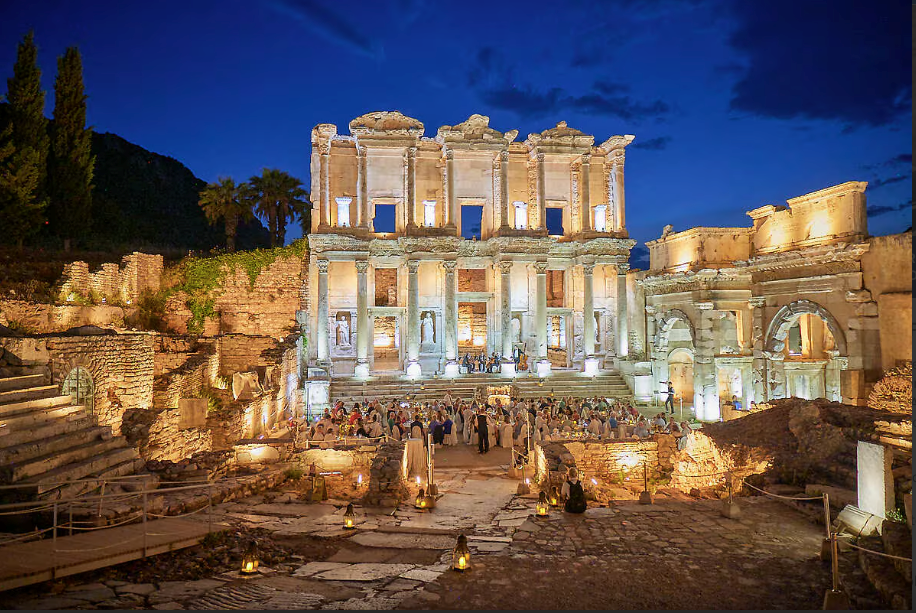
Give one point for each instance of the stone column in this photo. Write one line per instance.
(759, 368)
(705, 388)
(619, 199)
(448, 191)
(501, 187)
(322, 331)
(505, 314)
(622, 328)
(324, 207)
(450, 334)
(362, 201)
(541, 202)
(362, 319)
(413, 318)
(584, 194)
(540, 317)
(410, 175)
(650, 331)
(590, 364)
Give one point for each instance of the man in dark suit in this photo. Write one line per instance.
(483, 434)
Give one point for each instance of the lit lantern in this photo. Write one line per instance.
(554, 497)
(542, 505)
(359, 479)
(461, 557)
(250, 560)
(349, 517)
(418, 480)
(420, 502)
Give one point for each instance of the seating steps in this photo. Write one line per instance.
(45, 439)
(559, 383)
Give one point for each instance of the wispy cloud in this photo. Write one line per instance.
(877, 183)
(653, 144)
(330, 25)
(878, 210)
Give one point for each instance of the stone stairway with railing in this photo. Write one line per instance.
(559, 383)
(47, 439)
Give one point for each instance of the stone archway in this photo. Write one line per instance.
(786, 317)
(80, 386)
(826, 382)
(666, 321)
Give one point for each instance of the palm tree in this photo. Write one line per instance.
(227, 201)
(278, 196)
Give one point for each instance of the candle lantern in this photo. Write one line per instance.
(461, 557)
(250, 559)
(420, 502)
(554, 497)
(542, 505)
(349, 518)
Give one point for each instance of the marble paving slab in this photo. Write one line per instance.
(365, 572)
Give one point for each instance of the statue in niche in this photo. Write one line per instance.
(343, 331)
(516, 330)
(427, 329)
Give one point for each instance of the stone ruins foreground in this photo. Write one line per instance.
(146, 390)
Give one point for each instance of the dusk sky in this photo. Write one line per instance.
(734, 104)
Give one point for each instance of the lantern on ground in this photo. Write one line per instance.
(359, 479)
(542, 505)
(554, 497)
(250, 559)
(461, 557)
(420, 502)
(349, 518)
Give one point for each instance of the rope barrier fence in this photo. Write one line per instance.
(878, 553)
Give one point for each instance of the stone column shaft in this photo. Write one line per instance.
(619, 201)
(362, 312)
(588, 312)
(322, 332)
(759, 369)
(705, 388)
(413, 311)
(451, 204)
(451, 311)
(584, 194)
(542, 202)
(362, 202)
(505, 308)
(410, 171)
(324, 208)
(540, 315)
(501, 182)
(622, 327)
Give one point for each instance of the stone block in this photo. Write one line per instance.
(875, 478)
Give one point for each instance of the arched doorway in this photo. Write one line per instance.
(807, 350)
(680, 373)
(79, 385)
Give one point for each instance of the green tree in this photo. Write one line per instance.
(278, 196)
(70, 163)
(23, 197)
(227, 201)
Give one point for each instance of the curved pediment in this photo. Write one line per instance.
(562, 135)
(474, 128)
(386, 122)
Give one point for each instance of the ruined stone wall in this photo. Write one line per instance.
(243, 353)
(40, 318)
(158, 435)
(121, 367)
(266, 307)
(887, 271)
(186, 381)
(138, 272)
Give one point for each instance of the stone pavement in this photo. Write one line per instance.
(673, 554)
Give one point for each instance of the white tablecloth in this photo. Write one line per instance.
(505, 435)
(416, 458)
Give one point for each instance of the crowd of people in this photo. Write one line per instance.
(453, 421)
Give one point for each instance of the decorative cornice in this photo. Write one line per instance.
(322, 266)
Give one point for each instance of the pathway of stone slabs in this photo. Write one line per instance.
(389, 558)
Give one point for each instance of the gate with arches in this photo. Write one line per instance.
(79, 385)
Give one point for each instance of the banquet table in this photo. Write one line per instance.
(505, 435)
(416, 457)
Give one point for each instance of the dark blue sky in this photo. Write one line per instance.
(734, 103)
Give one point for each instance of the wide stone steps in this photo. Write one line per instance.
(25, 421)
(75, 421)
(25, 394)
(21, 381)
(45, 463)
(103, 465)
(44, 445)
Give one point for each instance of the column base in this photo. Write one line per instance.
(361, 370)
(451, 369)
(543, 368)
(413, 369)
(508, 369)
(590, 367)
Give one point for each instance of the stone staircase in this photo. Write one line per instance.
(46, 439)
(560, 383)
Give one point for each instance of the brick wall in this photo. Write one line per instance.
(138, 272)
(158, 436)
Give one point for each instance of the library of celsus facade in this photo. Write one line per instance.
(415, 296)
(801, 303)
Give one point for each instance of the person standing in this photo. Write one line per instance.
(483, 433)
(669, 401)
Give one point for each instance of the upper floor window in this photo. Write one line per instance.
(601, 218)
(429, 213)
(343, 211)
(521, 215)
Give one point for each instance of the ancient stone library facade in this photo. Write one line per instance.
(802, 303)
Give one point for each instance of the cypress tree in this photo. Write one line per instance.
(24, 172)
(70, 163)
